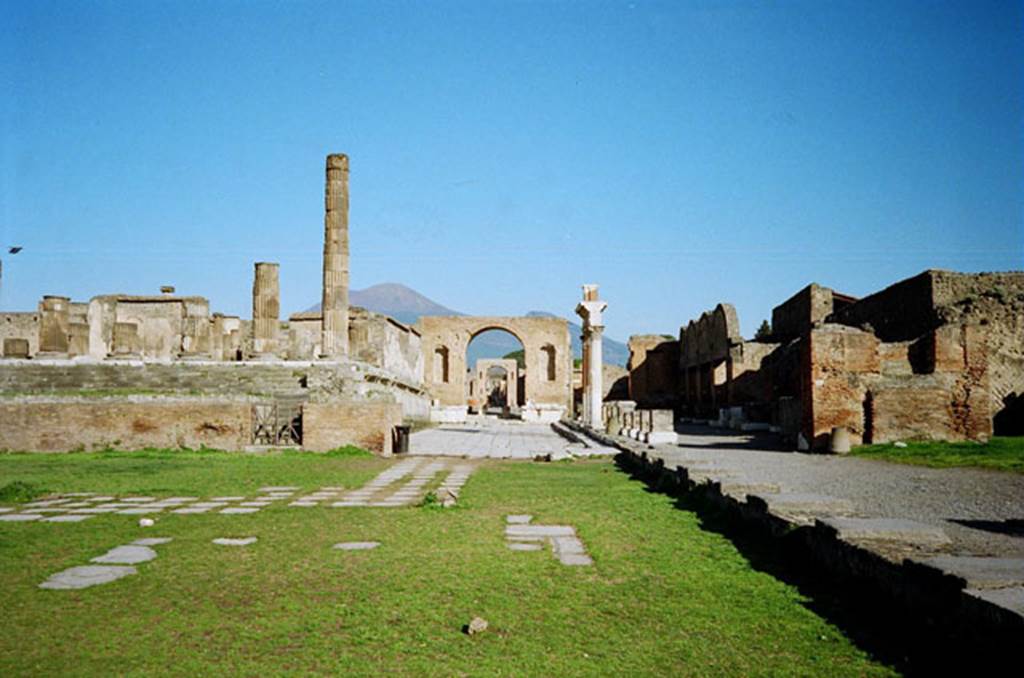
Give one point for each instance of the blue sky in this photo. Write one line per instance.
(680, 154)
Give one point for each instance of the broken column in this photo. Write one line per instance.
(590, 310)
(266, 307)
(334, 305)
(54, 325)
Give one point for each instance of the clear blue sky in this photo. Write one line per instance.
(503, 153)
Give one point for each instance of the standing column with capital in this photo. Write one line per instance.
(590, 310)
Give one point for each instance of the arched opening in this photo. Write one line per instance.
(441, 364)
(495, 373)
(1009, 421)
(550, 363)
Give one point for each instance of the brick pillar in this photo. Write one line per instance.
(334, 304)
(266, 308)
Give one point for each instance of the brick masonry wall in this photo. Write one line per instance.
(328, 426)
(66, 425)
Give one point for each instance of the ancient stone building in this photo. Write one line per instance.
(130, 371)
(939, 355)
(652, 370)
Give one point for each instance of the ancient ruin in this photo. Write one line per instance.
(937, 356)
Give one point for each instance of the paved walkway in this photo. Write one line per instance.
(981, 511)
(488, 437)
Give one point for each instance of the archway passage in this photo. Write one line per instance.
(546, 366)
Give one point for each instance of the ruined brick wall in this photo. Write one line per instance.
(328, 426)
(795, 316)
(882, 392)
(653, 370)
(62, 425)
(901, 311)
(839, 362)
(20, 326)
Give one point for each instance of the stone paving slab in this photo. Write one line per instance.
(801, 502)
(239, 510)
(229, 541)
(66, 519)
(87, 575)
(539, 531)
(518, 519)
(19, 517)
(1011, 598)
(152, 541)
(979, 572)
(140, 511)
(356, 545)
(191, 510)
(5, 509)
(886, 529)
(126, 555)
(524, 545)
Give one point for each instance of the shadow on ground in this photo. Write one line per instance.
(876, 624)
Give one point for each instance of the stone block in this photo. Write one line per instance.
(885, 529)
(16, 348)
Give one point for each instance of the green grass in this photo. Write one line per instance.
(664, 596)
(1002, 454)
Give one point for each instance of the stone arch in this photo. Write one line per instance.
(534, 333)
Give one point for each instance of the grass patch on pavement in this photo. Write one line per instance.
(663, 597)
(1001, 454)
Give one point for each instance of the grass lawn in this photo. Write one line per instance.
(663, 597)
(1002, 454)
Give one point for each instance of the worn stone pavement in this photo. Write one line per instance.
(981, 511)
(490, 437)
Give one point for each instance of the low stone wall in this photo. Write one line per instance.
(62, 425)
(69, 424)
(328, 426)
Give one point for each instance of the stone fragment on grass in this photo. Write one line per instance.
(66, 519)
(518, 519)
(152, 541)
(126, 555)
(356, 545)
(525, 545)
(19, 517)
(238, 510)
(475, 625)
(87, 575)
(229, 541)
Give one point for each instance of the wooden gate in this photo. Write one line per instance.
(277, 423)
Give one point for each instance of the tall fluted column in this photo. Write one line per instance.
(266, 308)
(334, 304)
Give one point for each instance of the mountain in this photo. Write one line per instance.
(398, 301)
(407, 305)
